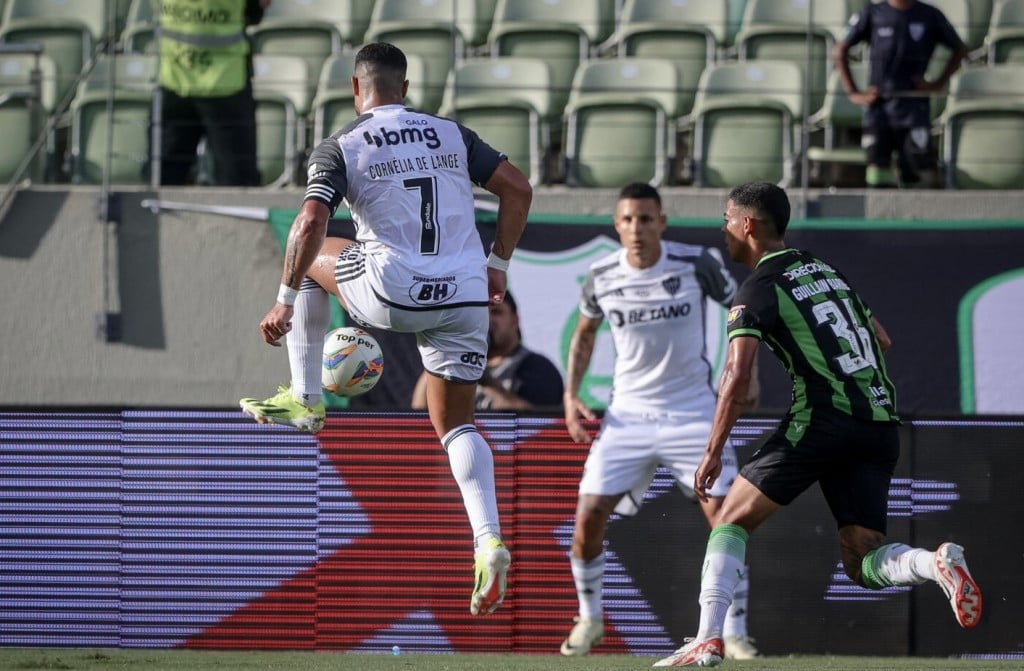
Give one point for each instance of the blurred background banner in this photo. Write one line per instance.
(186, 528)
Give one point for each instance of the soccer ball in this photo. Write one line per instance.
(353, 362)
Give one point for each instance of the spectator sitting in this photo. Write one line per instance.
(516, 378)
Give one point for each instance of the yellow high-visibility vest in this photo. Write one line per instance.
(203, 48)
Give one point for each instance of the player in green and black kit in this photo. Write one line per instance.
(841, 430)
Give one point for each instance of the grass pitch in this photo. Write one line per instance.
(32, 659)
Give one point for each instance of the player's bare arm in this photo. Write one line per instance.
(581, 348)
(884, 341)
(733, 395)
(841, 59)
(304, 241)
(952, 65)
(754, 390)
(514, 197)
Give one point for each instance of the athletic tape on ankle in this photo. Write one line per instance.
(286, 295)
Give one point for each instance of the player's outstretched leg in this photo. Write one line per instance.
(491, 565)
(955, 580)
(284, 408)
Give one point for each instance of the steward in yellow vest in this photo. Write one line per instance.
(203, 48)
(206, 91)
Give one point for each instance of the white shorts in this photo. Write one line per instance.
(452, 340)
(631, 446)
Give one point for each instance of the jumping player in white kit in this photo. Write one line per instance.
(417, 265)
(652, 294)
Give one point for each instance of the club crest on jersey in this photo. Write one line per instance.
(734, 313)
(671, 285)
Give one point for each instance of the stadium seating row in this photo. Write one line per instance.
(739, 92)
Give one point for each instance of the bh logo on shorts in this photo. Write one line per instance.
(433, 290)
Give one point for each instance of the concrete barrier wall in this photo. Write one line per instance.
(190, 289)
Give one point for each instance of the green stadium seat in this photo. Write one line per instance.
(982, 126)
(969, 17)
(507, 101)
(27, 92)
(620, 121)
(122, 8)
(311, 29)
(687, 32)
(68, 31)
(333, 105)
(1005, 39)
(113, 144)
(282, 99)
(562, 32)
(744, 123)
(782, 29)
(837, 120)
(139, 34)
(430, 29)
(476, 27)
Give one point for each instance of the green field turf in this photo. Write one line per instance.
(17, 659)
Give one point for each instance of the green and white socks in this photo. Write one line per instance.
(724, 569)
(897, 564)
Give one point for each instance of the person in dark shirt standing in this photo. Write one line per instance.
(840, 431)
(901, 36)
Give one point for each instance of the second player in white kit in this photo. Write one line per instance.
(652, 293)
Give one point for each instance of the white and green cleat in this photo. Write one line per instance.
(285, 409)
(491, 564)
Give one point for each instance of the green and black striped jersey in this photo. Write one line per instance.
(810, 317)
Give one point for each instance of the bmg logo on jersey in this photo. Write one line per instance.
(473, 358)
(411, 135)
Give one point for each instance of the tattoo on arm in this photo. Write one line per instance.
(580, 351)
(290, 262)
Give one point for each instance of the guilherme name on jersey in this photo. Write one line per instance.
(818, 287)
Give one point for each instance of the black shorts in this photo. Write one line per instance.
(852, 460)
(913, 145)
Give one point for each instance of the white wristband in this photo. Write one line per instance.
(286, 295)
(496, 262)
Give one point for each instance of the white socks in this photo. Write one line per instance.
(736, 617)
(305, 342)
(473, 467)
(898, 564)
(724, 567)
(588, 576)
